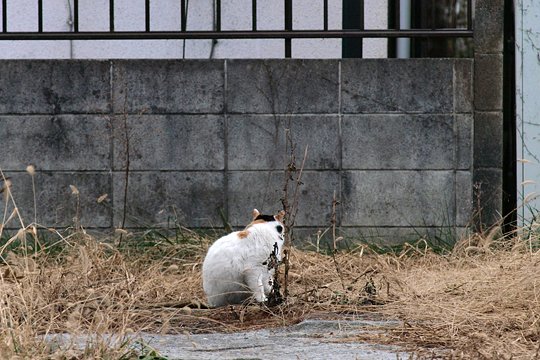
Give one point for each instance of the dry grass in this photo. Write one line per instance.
(87, 287)
(481, 301)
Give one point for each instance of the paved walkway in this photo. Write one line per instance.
(310, 339)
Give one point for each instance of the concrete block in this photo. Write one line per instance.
(397, 85)
(398, 198)
(488, 82)
(281, 87)
(488, 26)
(56, 205)
(158, 199)
(54, 87)
(259, 142)
(443, 236)
(488, 139)
(464, 198)
(170, 142)
(263, 190)
(168, 86)
(307, 238)
(352, 238)
(464, 141)
(398, 141)
(315, 198)
(463, 85)
(55, 142)
(488, 193)
(248, 190)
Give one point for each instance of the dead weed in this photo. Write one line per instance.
(480, 301)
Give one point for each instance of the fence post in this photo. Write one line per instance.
(353, 18)
(488, 111)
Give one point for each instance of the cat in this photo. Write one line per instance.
(238, 266)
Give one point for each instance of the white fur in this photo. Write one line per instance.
(236, 269)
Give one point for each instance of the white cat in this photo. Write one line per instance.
(237, 266)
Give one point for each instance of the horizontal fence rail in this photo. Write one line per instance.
(183, 33)
(260, 34)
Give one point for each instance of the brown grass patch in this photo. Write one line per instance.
(480, 301)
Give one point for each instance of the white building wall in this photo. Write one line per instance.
(376, 18)
(165, 15)
(528, 107)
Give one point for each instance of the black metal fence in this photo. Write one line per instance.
(357, 31)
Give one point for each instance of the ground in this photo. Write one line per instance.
(477, 300)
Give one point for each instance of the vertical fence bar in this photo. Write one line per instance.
(76, 15)
(218, 15)
(325, 15)
(394, 22)
(4, 15)
(111, 15)
(469, 15)
(40, 15)
(362, 15)
(362, 19)
(147, 15)
(353, 19)
(454, 18)
(433, 15)
(397, 19)
(397, 10)
(254, 15)
(183, 15)
(288, 26)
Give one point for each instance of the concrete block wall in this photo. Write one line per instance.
(393, 139)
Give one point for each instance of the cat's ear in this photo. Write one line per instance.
(255, 213)
(279, 217)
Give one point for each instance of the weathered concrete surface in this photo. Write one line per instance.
(464, 141)
(401, 198)
(463, 89)
(207, 140)
(488, 87)
(372, 142)
(259, 142)
(371, 86)
(488, 138)
(56, 204)
(177, 142)
(165, 198)
(168, 86)
(54, 87)
(310, 339)
(55, 142)
(283, 87)
(256, 187)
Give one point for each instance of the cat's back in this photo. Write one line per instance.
(225, 256)
(225, 244)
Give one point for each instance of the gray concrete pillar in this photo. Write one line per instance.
(488, 115)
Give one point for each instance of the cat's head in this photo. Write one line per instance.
(268, 220)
